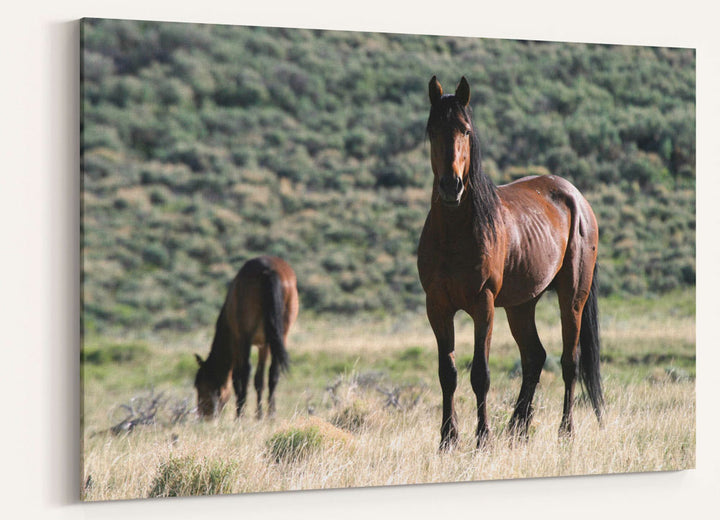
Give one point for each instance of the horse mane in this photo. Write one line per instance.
(482, 192)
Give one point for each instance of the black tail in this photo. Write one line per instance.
(273, 318)
(590, 350)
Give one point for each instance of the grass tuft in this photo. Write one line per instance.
(186, 476)
(303, 438)
(294, 444)
(352, 417)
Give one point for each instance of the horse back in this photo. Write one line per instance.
(548, 224)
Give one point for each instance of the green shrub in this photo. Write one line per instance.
(294, 444)
(115, 353)
(155, 254)
(353, 417)
(188, 477)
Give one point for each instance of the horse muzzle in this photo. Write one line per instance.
(208, 408)
(451, 190)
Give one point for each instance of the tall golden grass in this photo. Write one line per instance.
(649, 428)
(358, 439)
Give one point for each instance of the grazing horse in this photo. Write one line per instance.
(260, 307)
(484, 246)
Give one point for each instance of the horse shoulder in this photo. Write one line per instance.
(427, 254)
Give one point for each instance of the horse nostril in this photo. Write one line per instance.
(451, 184)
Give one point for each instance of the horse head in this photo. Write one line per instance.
(451, 133)
(212, 392)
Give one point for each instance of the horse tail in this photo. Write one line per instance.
(273, 317)
(590, 349)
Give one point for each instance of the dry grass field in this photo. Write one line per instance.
(361, 407)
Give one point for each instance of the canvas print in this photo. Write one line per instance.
(319, 259)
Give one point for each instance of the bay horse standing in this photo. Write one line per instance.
(260, 307)
(484, 246)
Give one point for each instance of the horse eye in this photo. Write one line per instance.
(466, 132)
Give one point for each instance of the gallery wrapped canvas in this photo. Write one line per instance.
(320, 259)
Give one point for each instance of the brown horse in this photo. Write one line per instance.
(484, 246)
(260, 307)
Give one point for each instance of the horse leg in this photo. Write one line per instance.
(241, 376)
(571, 303)
(260, 378)
(532, 358)
(441, 321)
(482, 316)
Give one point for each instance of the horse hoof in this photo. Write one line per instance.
(482, 440)
(566, 430)
(448, 444)
(446, 447)
(518, 430)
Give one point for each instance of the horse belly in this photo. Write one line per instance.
(532, 263)
(520, 286)
(259, 336)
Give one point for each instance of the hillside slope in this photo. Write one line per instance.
(205, 145)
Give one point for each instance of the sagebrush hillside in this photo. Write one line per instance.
(205, 145)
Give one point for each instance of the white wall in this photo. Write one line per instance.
(39, 457)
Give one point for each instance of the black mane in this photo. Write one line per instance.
(483, 194)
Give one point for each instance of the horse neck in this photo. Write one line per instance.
(220, 359)
(453, 217)
(463, 222)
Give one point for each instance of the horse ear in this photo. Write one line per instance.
(199, 360)
(435, 89)
(462, 93)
